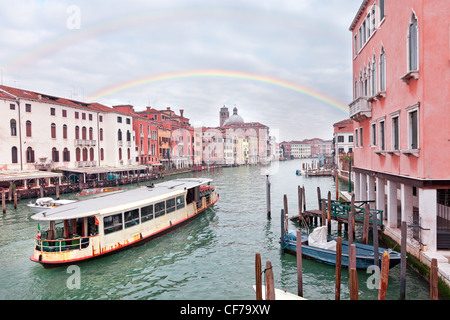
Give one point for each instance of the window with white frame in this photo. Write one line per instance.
(382, 134)
(413, 44)
(395, 131)
(373, 132)
(374, 75)
(383, 70)
(381, 3)
(413, 127)
(356, 138)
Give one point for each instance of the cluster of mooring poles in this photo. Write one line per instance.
(324, 213)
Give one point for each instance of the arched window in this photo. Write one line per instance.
(120, 153)
(66, 155)
(13, 126)
(128, 135)
(374, 75)
(119, 135)
(53, 131)
(83, 133)
(28, 128)
(413, 44)
(14, 155)
(78, 154)
(55, 155)
(382, 70)
(102, 154)
(91, 134)
(91, 154)
(64, 131)
(101, 135)
(77, 133)
(85, 154)
(128, 153)
(30, 155)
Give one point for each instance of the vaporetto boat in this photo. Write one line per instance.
(96, 227)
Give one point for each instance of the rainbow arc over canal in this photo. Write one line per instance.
(222, 74)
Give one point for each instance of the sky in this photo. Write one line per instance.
(284, 63)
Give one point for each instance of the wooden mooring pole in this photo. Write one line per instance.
(403, 263)
(270, 283)
(376, 251)
(384, 276)
(337, 294)
(282, 240)
(299, 264)
(15, 199)
(434, 290)
(300, 201)
(366, 224)
(353, 273)
(329, 212)
(258, 276)
(268, 197)
(351, 221)
(4, 201)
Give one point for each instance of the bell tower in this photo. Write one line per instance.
(224, 115)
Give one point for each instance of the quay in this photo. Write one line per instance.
(35, 184)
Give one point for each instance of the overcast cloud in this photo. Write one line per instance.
(47, 47)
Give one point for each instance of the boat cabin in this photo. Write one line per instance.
(97, 226)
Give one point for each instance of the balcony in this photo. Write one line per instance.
(360, 109)
(85, 143)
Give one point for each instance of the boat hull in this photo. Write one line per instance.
(364, 254)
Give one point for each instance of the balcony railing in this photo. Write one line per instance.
(360, 109)
(85, 143)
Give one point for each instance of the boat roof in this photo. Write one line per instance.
(120, 201)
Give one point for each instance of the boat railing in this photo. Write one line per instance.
(61, 244)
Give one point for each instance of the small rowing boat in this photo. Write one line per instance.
(325, 251)
(43, 204)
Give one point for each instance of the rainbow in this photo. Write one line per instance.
(222, 74)
(71, 37)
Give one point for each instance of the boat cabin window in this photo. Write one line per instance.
(160, 209)
(147, 213)
(131, 218)
(170, 205)
(112, 223)
(180, 202)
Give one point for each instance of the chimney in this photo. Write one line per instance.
(181, 113)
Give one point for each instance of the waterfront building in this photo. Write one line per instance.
(300, 150)
(343, 140)
(285, 148)
(401, 117)
(48, 132)
(146, 136)
(254, 137)
(175, 136)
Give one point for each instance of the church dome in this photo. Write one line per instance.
(234, 119)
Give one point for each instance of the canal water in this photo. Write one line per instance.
(212, 258)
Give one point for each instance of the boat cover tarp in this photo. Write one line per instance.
(318, 239)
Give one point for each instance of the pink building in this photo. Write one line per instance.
(401, 113)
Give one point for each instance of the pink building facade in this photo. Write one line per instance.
(401, 114)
